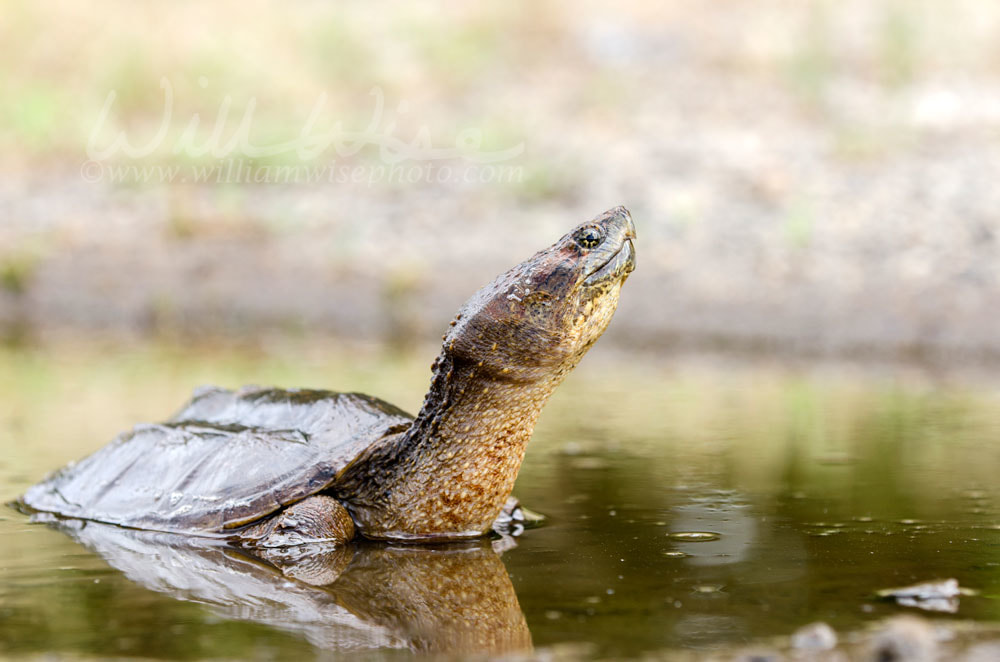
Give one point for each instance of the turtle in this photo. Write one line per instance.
(273, 467)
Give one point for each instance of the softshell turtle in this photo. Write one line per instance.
(276, 467)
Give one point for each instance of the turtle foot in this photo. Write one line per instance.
(515, 518)
(314, 519)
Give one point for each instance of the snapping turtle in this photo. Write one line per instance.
(277, 467)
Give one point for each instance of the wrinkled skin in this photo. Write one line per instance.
(510, 346)
(275, 468)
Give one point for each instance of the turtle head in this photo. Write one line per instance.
(450, 472)
(538, 319)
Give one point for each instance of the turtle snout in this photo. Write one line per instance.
(629, 225)
(629, 251)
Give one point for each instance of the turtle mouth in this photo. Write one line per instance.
(618, 266)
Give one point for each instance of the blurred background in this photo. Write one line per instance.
(304, 193)
(810, 178)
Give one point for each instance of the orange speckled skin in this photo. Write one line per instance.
(509, 347)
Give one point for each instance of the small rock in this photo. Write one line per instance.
(946, 588)
(904, 639)
(939, 596)
(986, 652)
(814, 637)
(765, 656)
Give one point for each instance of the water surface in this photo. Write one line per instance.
(687, 508)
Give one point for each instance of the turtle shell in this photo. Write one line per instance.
(226, 459)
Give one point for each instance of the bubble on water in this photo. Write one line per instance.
(821, 533)
(676, 555)
(572, 448)
(909, 522)
(589, 463)
(863, 518)
(975, 495)
(175, 498)
(695, 536)
(553, 615)
(708, 588)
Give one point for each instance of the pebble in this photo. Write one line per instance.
(904, 639)
(814, 637)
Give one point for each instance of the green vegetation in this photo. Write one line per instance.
(799, 224)
(814, 62)
(898, 56)
(16, 272)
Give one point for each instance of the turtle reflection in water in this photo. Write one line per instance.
(272, 468)
(454, 598)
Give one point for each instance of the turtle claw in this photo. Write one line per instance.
(515, 518)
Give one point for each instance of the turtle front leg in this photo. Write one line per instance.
(514, 518)
(314, 519)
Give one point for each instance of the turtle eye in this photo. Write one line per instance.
(589, 237)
